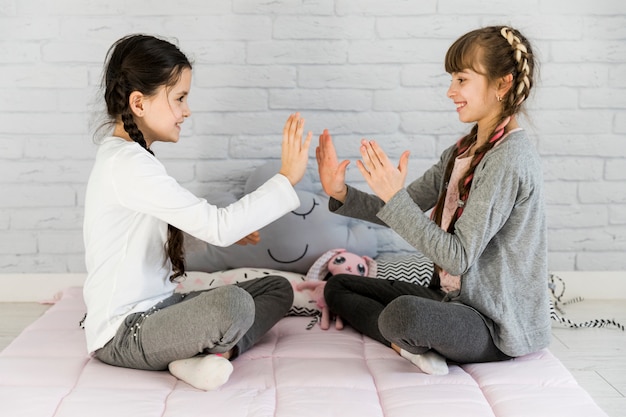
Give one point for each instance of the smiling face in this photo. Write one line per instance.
(475, 98)
(166, 110)
(492, 74)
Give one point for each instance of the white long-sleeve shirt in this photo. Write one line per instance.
(130, 201)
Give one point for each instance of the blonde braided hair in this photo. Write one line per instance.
(520, 52)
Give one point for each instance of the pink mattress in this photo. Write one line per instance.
(292, 372)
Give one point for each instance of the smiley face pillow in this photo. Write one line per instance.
(291, 243)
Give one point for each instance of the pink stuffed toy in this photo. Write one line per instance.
(334, 262)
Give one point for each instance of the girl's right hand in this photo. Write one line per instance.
(295, 154)
(332, 173)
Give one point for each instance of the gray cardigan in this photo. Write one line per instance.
(499, 246)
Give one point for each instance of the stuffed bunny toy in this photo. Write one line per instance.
(334, 262)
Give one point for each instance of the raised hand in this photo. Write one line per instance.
(295, 153)
(332, 173)
(383, 177)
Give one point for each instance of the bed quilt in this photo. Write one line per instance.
(292, 372)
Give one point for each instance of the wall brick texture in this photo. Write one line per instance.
(361, 68)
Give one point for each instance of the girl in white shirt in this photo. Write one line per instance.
(134, 217)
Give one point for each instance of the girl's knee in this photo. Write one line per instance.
(401, 305)
(400, 314)
(232, 301)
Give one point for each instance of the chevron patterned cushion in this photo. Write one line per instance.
(410, 267)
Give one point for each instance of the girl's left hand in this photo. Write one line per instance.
(383, 177)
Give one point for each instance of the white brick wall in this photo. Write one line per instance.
(358, 67)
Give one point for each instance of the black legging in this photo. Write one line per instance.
(412, 317)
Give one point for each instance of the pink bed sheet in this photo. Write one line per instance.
(292, 372)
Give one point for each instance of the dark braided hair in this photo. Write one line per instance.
(144, 63)
(494, 52)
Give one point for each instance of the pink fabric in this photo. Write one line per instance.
(448, 281)
(292, 372)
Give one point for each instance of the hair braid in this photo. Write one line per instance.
(465, 183)
(133, 130)
(175, 250)
(461, 146)
(522, 83)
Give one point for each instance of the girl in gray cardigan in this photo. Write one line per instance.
(486, 234)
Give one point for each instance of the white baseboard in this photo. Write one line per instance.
(603, 285)
(594, 285)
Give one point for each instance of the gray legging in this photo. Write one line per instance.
(213, 321)
(412, 317)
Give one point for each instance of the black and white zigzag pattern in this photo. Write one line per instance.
(556, 311)
(303, 311)
(413, 268)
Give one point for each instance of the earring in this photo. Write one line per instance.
(499, 98)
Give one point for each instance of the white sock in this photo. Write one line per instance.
(203, 372)
(430, 362)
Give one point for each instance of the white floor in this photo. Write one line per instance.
(596, 357)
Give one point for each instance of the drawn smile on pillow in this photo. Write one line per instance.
(315, 203)
(269, 252)
(306, 248)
